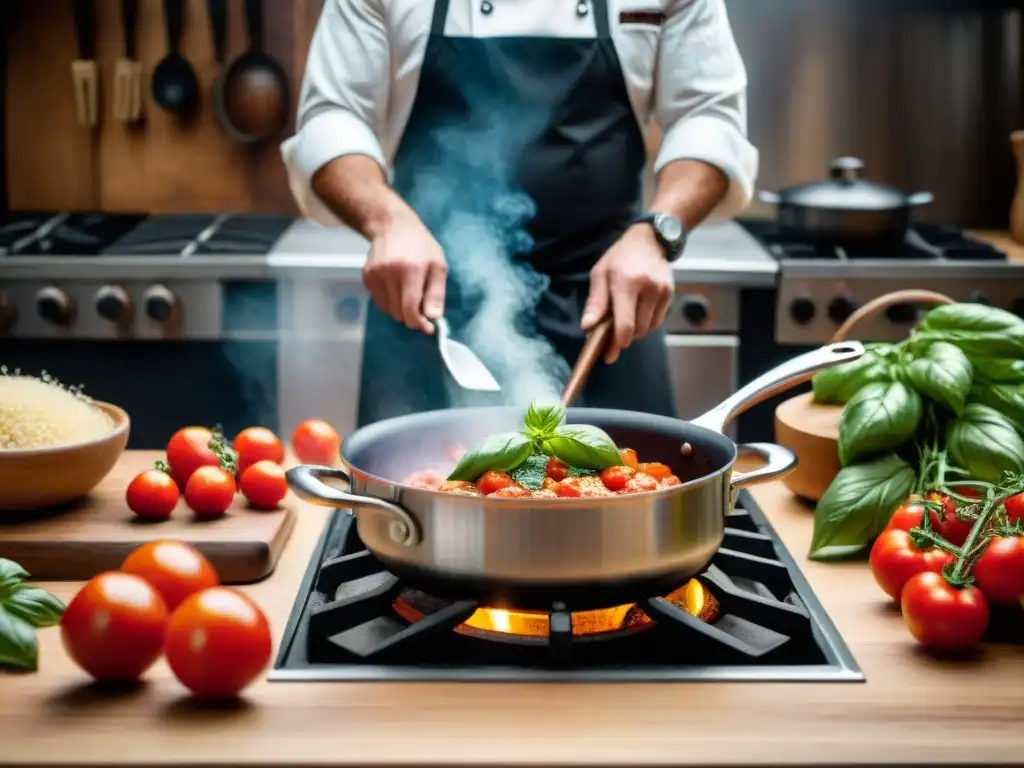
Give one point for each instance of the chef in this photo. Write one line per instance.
(401, 99)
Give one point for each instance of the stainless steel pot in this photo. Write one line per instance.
(532, 553)
(847, 210)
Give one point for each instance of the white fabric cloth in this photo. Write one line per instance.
(364, 64)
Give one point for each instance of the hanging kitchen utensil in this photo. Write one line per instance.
(462, 363)
(218, 11)
(84, 74)
(175, 86)
(128, 70)
(255, 96)
(593, 348)
(585, 552)
(847, 210)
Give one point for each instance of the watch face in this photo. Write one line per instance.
(670, 227)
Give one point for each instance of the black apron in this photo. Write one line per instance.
(529, 146)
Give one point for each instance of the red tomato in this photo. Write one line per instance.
(556, 469)
(210, 491)
(909, 515)
(641, 482)
(218, 641)
(257, 444)
(315, 442)
(669, 481)
(511, 492)
(492, 481)
(569, 488)
(172, 568)
(264, 484)
(188, 450)
(941, 616)
(615, 478)
(895, 560)
(152, 495)
(114, 627)
(656, 470)
(951, 528)
(1014, 508)
(629, 458)
(999, 572)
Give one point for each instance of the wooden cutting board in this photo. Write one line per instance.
(99, 531)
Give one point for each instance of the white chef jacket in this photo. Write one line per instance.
(364, 65)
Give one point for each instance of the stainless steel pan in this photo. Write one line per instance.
(531, 553)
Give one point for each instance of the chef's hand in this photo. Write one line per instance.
(634, 280)
(405, 273)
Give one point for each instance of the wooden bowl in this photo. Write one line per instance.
(34, 478)
(811, 431)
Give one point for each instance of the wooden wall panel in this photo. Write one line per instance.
(164, 165)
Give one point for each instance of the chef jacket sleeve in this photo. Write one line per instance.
(343, 100)
(700, 98)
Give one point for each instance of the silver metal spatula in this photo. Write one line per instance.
(464, 366)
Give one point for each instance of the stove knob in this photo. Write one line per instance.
(8, 313)
(802, 310)
(696, 310)
(902, 314)
(113, 303)
(1018, 307)
(840, 309)
(977, 297)
(159, 303)
(55, 306)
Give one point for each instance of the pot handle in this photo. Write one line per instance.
(920, 198)
(873, 307)
(785, 376)
(779, 461)
(306, 480)
(772, 198)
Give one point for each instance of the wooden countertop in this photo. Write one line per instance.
(913, 707)
(1001, 239)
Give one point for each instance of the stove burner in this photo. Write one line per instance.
(64, 234)
(238, 234)
(750, 615)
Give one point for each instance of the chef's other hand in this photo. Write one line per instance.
(405, 273)
(634, 280)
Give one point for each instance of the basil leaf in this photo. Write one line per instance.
(1008, 343)
(1008, 399)
(969, 317)
(35, 606)
(544, 418)
(985, 443)
(841, 382)
(944, 375)
(857, 505)
(501, 452)
(11, 573)
(18, 646)
(531, 473)
(879, 417)
(580, 445)
(999, 370)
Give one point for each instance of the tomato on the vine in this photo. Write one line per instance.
(152, 495)
(210, 491)
(909, 515)
(999, 572)
(950, 527)
(257, 444)
(492, 481)
(264, 484)
(895, 560)
(942, 616)
(188, 450)
(315, 442)
(173, 568)
(1015, 508)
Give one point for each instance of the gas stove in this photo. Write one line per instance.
(750, 616)
(819, 286)
(185, 235)
(63, 233)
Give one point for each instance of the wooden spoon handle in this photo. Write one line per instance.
(882, 303)
(593, 347)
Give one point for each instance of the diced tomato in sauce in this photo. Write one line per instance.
(629, 458)
(640, 483)
(615, 478)
(511, 492)
(556, 469)
(656, 469)
(492, 481)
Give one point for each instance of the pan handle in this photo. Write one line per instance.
(307, 482)
(779, 461)
(785, 376)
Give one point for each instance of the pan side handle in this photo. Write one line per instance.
(785, 376)
(307, 481)
(779, 461)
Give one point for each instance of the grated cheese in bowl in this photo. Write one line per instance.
(42, 413)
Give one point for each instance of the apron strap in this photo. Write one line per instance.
(440, 18)
(601, 22)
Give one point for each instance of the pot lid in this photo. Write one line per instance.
(845, 190)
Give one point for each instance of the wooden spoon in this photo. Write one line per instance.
(594, 346)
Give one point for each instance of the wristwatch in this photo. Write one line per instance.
(668, 229)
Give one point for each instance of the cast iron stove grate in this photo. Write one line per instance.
(348, 624)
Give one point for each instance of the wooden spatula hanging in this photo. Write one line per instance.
(83, 69)
(128, 70)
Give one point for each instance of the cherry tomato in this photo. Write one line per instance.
(152, 495)
(951, 528)
(315, 442)
(210, 491)
(491, 481)
(556, 469)
(511, 492)
(999, 572)
(641, 482)
(910, 514)
(669, 481)
(257, 444)
(218, 641)
(114, 627)
(569, 488)
(615, 478)
(172, 568)
(629, 458)
(941, 616)
(264, 484)
(1014, 508)
(188, 450)
(656, 470)
(895, 560)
